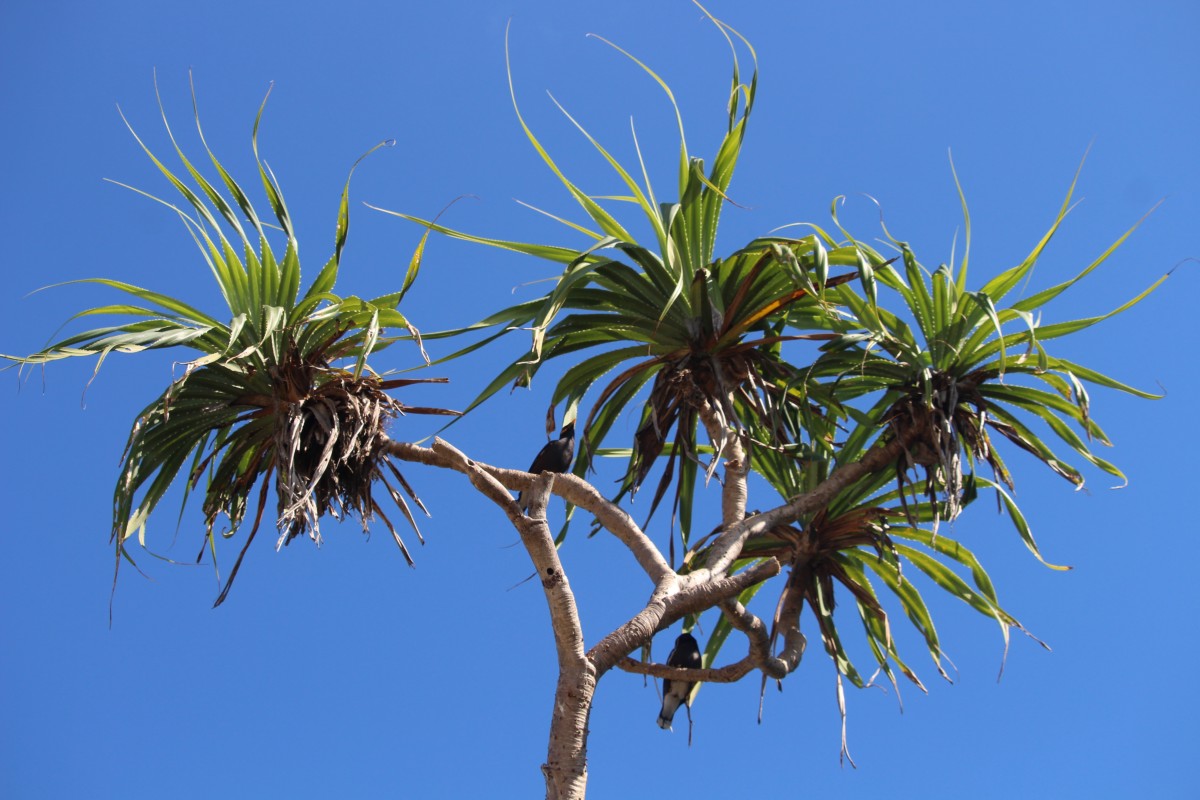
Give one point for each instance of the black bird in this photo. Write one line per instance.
(685, 654)
(556, 456)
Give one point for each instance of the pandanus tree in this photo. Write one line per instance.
(870, 397)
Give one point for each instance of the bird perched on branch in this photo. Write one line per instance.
(685, 654)
(556, 456)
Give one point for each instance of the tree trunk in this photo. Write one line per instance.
(566, 759)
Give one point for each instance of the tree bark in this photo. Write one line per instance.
(565, 769)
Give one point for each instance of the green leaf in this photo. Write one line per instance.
(1018, 520)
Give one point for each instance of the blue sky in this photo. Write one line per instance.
(342, 671)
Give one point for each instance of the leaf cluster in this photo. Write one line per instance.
(279, 391)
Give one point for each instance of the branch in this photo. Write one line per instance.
(730, 673)
(760, 642)
(538, 541)
(733, 487)
(674, 596)
(565, 769)
(728, 546)
(668, 604)
(571, 488)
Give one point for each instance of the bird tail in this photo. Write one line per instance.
(669, 707)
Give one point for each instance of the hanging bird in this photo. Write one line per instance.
(685, 654)
(554, 457)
